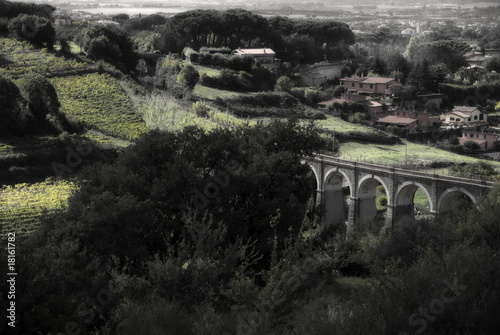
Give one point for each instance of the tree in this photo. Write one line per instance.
(40, 94)
(379, 66)
(120, 18)
(283, 84)
(101, 47)
(337, 92)
(188, 76)
(36, 29)
(13, 111)
(142, 66)
(186, 214)
(493, 64)
(108, 42)
(10, 9)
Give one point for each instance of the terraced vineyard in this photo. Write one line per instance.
(100, 103)
(22, 205)
(18, 58)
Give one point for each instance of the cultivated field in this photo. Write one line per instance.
(22, 204)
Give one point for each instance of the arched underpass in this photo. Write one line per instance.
(337, 198)
(455, 199)
(405, 202)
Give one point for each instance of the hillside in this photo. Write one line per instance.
(111, 112)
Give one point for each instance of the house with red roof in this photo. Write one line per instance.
(396, 121)
(368, 86)
(485, 141)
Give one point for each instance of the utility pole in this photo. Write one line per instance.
(333, 141)
(406, 147)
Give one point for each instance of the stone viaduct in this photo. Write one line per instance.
(334, 175)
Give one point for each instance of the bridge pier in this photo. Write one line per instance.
(404, 214)
(351, 217)
(367, 207)
(334, 207)
(389, 216)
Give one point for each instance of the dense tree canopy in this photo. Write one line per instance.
(108, 42)
(12, 9)
(235, 28)
(34, 28)
(448, 52)
(225, 199)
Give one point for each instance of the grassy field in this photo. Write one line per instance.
(22, 205)
(209, 93)
(341, 126)
(418, 154)
(210, 71)
(74, 49)
(166, 115)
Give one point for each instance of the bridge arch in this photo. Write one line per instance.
(366, 195)
(404, 205)
(369, 183)
(449, 199)
(336, 201)
(331, 174)
(318, 182)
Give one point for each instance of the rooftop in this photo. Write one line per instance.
(370, 80)
(397, 120)
(254, 52)
(464, 109)
(462, 115)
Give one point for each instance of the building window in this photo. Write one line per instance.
(475, 117)
(469, 119)
(352, 84)
(387, 86)
(452, 119)
(360, 85)
(371, 85)
(481, 116)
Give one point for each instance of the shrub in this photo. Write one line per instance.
(191, 55)
(230, 80)
(233, 62)
(222, 50)
(482, 168)
(188, 76)
(471, 146)
(201, 109)
(283, 84)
